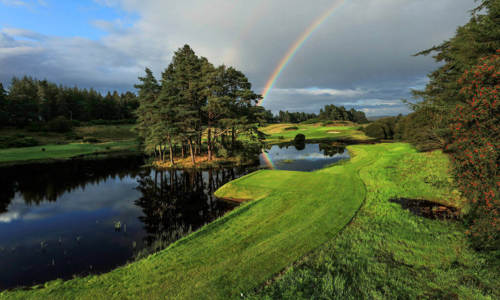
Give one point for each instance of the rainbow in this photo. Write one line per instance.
(268, 160)
(295, 47)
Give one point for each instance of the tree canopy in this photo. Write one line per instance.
(29, 100)
(196, 107)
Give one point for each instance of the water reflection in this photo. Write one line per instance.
(175, 199)
(304, 157)
(59, 220)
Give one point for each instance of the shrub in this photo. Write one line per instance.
(300, 138)
(474, 148)
(60, 124)
(375, 130)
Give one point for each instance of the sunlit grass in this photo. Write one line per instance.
(281, 133)
(54, 152)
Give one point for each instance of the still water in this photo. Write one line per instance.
(74, 218)
(305, 157)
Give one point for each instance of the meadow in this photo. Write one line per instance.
(83, 141)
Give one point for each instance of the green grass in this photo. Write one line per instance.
(385, 252)
(388, 253)
(112, 138)
(58, 152)
(280, 133)
(107, 132)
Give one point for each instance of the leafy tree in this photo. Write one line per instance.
(478, 38)
(475, 144)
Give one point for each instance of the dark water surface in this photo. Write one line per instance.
(305, 157)
(76, 218)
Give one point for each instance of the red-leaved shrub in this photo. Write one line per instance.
(475, 149)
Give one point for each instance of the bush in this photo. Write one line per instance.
(299, 139)
(375, 130)
(60, 124)
(291, 128)
(475, 145)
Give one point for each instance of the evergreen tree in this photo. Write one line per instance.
(148, 91)
(4, 119)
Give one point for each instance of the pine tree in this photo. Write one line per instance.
(148, 92)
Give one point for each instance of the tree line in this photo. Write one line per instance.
(458, 112)
(327, 113)
(197, 108)
(28, 100)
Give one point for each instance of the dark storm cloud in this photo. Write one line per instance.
(363, 46)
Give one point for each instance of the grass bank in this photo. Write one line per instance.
(107, 139)
(389, 253)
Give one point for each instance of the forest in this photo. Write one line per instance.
(30, 102)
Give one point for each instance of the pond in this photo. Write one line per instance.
(76, 218)
(79, 217)
(302, 157)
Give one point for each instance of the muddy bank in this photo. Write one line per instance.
(428, 209)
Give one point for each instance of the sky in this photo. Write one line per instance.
(359, 57)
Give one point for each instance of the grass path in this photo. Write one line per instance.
(293, 213)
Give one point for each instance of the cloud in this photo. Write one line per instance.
(14, 3)
(315, 91)
(363, 50)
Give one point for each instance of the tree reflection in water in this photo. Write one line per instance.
(174, 199)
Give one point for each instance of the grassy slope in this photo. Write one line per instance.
(114, 138)
(294, 214)
(387, 252)
(54, 152)
(278, 133)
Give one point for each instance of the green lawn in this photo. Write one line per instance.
(111, 138)
(389, 253)
(57, 152)
(279, 133)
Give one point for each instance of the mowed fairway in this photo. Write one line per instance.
(286, 132)
(292, 214)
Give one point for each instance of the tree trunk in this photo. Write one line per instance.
(198, 141)
(209, 143)
(182, 150)
(232, 138)
(171, 152)
(191, 150)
